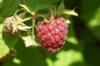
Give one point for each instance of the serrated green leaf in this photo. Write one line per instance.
(4, 49)
(9, 8)
(70, 12)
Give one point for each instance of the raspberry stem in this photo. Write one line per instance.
(18, 11)
(33, 22)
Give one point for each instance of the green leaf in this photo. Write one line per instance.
(10, 41)
(70, 12)
(6, 42)
(9, 8)
(24, 55)
(42, 4)
(66, 58)
(4, 49)
(1, 19)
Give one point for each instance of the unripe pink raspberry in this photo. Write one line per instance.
(52, 35)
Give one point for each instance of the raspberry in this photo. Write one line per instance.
(52, 36)
(8, 25)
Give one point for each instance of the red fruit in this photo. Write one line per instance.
(52, 36)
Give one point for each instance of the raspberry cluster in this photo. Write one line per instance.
(52, 35)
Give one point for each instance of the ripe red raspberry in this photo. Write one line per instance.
(52, 36)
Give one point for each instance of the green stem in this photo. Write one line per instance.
(17, 11)
(33, 22)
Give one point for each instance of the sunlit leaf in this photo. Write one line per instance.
(66, 58)
(4, 49)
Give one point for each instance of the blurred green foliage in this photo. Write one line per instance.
(82, 47)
